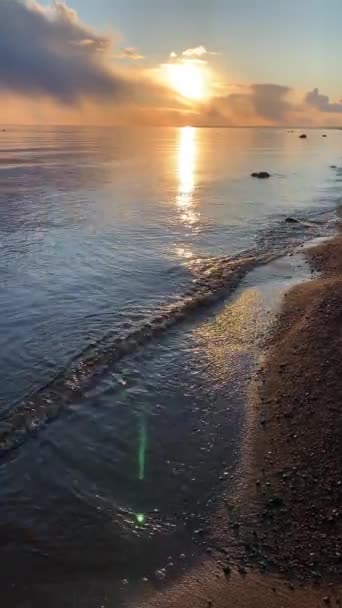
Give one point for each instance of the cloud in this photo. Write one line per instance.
(130, 53)
(48, 51)
(54, 68)
(322, 102)
(271, 101)
(252, 105)
(197, 52)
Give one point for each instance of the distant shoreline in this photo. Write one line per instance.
(7, 126)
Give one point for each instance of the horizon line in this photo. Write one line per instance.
(5, 126)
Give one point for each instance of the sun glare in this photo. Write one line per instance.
(186, 171)
(188, 79)
(186, 164)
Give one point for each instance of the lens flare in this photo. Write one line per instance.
(140, 517)
(142, 450)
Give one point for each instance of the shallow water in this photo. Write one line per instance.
(130, 242)
(99, 228)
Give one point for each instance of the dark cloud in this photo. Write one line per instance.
(49, 51)
(266, 102)
(271, 101)
(322, 102)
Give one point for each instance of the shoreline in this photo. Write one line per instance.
(279, 538)
(293, 524)
(264, 542)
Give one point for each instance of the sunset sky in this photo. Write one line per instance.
(201, 62)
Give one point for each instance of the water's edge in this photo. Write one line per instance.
(216, 280)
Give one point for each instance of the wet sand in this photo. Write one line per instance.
(278, 541)
(294, 489)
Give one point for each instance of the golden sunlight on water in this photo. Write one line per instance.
(186, 171)
(229, 336)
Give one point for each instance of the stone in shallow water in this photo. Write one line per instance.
(260, 174)
(291, 220)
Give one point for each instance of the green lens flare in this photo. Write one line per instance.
(140, 517)
(142, 450)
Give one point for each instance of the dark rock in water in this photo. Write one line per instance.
(291, 220)
(333, 167)
(260, 174)
(303, 136)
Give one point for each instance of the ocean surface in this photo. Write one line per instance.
(128, 324)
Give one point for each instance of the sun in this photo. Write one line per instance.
(188, 79)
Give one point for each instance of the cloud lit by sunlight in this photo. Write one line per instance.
(198, 51)
(189, 74)
(56, 68)
(130, 53)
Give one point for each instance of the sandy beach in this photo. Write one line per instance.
(294, 483)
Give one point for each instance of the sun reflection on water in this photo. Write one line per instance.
(186, 171)
(228, 340)
(186, 160)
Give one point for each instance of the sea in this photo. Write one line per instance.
(139, 268)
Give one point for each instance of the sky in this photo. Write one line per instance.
(201, 62)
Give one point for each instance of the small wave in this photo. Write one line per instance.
(214, 279)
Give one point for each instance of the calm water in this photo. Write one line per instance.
(110, 242)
